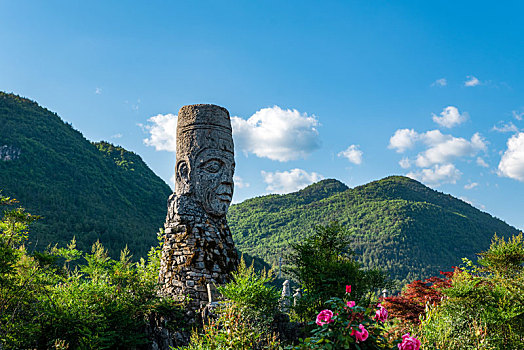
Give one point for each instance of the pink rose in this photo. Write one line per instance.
(324, 317)
(362, 335)
(381, 314)
(351, 303)
(409, 343)
(348, 288)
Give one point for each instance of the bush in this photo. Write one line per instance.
(345, 325)
(244, 319)
(252, 293)
(232, 330)
(21, 279)
(484, 307)
(99, 303)
(323, 264)
(410, 305)
(103, 303)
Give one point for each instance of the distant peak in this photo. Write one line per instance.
(326, 183)
(16, 98)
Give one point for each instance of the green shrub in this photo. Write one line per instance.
(21, 279)
(244, 319)
(232, 329)
(252, 293)
(323, 264)
(484, 307)
(101, 304)
(67, 299)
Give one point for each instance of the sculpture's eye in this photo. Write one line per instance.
(212, 166)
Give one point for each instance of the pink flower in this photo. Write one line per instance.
(362, 335)
(324, 317)
(381, 314)
(348, 288)
(409, 343)
(351, 303)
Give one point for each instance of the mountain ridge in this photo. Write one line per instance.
(83, 189)
(396, 223)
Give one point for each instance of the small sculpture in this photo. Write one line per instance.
(285, 297)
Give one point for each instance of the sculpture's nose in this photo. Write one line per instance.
(227, 176)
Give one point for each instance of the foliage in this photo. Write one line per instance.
(91, 191)
(323, 264)
(20, 276)
(232, 330)
(70, 299)
(503, 258)
(484, 306)
(244, 320)
(408, 307)
(252, 294)
(396, 224)
(345, 325)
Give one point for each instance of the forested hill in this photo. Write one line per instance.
(397, 224)
(83, 189)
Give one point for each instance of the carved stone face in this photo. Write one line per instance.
(205, 160)
(208, 178)
(212, 175)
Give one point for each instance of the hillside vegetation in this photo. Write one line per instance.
(396, 223)
(83, 189)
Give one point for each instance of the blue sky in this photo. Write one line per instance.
(352, 90)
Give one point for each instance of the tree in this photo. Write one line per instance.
(21, 279)
(323, 264)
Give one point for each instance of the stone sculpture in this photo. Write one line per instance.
(284, 298)
(198, 247)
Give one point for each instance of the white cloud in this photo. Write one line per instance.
(440, 82)
(436, 159)
(471, 81)
(239, 182)
(136, 106)
(289, 181)
(403, 140)
(443, 148)
(464, 199)
(117, 136)
(353, 154)
(439, 174)
(404, 163)
(482, 163)
(450, 117)
(471, 185)
(162, 132)
(517, 115)
(512, 163)
(277, 134)
(472, 203)
(98, 91)
(508, 127)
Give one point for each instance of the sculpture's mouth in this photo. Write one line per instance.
(225, 197)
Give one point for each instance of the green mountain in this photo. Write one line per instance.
(83, 189)
(396, 223)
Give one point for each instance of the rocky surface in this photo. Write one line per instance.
(8, 153)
